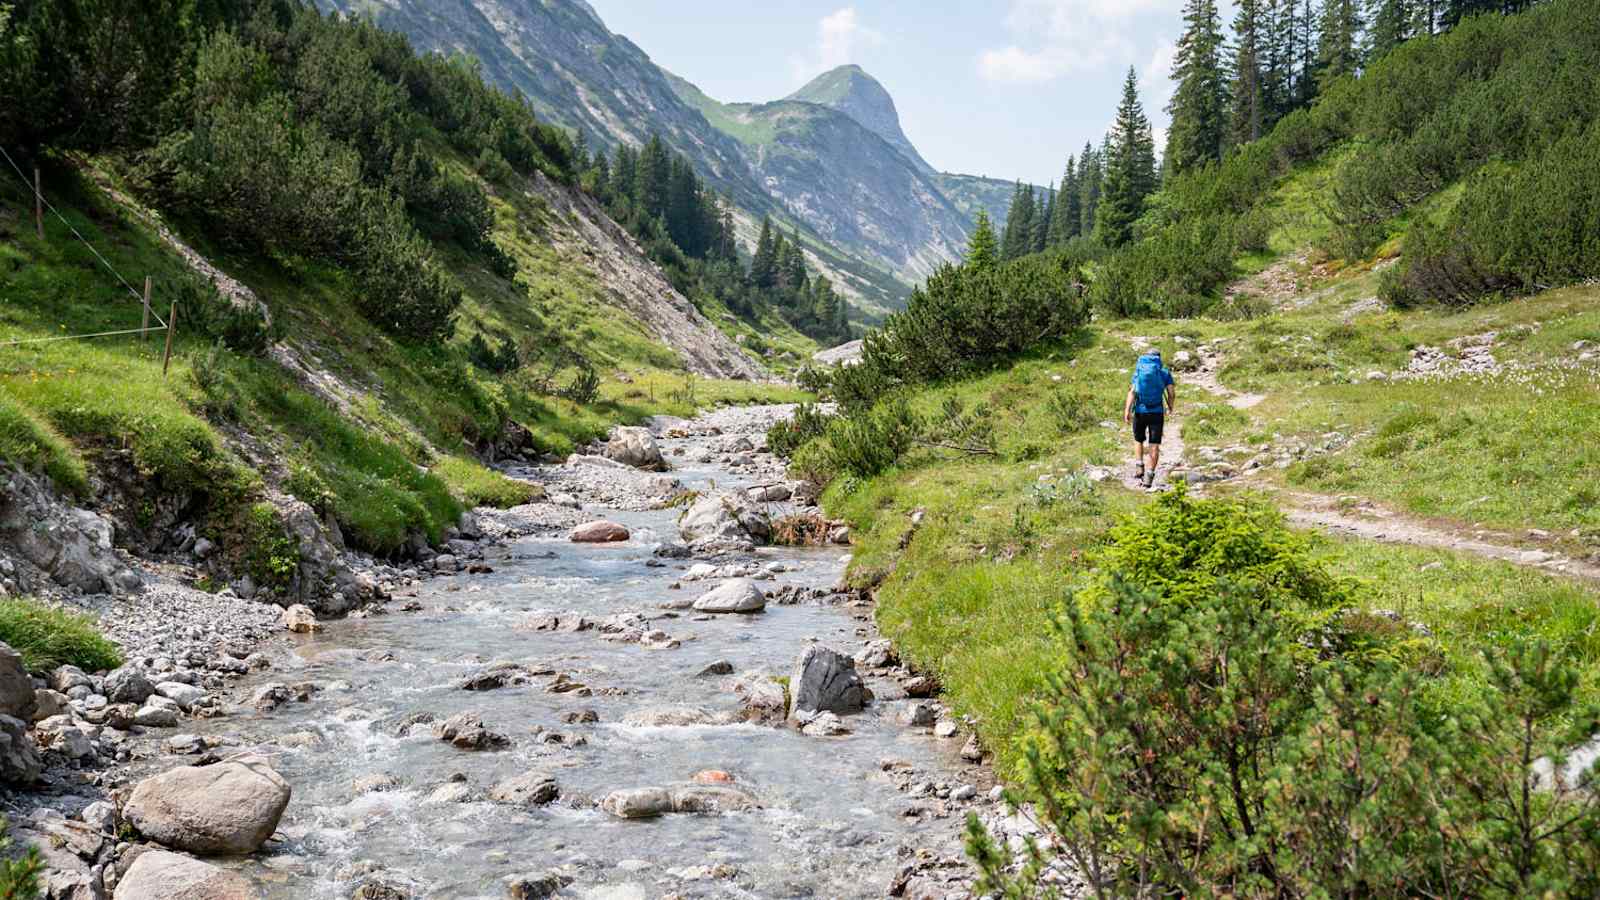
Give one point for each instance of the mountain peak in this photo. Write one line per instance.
(850, 90)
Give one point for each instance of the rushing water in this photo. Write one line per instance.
(832, 824)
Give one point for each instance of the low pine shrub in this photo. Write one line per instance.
(1215, 726)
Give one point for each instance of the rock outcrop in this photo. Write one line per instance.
(161, 875)
(57, 542)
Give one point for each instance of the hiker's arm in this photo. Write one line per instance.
(1172, 397)
(1127, 408)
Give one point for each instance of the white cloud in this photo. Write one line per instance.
(1053, 38)
(841, 39)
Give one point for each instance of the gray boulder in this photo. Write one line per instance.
(228, 808)
(730, 517)
(128, 685)
(527, 789)
(825, 681)
(73, 547)
(160, 875)
(17, 697)
(635, 447)
(19, 758)
(739, 595)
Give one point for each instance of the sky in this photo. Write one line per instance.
(1006, 88)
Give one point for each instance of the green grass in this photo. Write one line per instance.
(477, 485)
(48, 637)
(35, 445)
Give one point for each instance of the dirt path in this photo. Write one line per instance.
(1364, 519)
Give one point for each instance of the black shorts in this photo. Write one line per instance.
(1147, 427)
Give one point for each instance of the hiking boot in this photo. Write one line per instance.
(1138, 474)
(1150, 480)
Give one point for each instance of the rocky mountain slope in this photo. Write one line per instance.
(830, 160)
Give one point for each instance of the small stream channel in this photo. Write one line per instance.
(833, 824)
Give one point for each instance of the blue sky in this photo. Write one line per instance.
(1006, 88)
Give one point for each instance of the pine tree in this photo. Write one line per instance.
(1425, 16)
(1199, 105)
(794, 264)
(1306, 84)
(1249, 98)
(1019, 232)
(1338, 51)
(1044, 213)
(764, 265)
(1130, 170)
(983, 251)
(1065, 222)
(654, 173)
(1090, 176)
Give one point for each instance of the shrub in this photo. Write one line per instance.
(786, 436)
(869, 444)
(1220, 734)
(800, 530)
(48, 637)
(243, 327)
(1074, 411)
(19, 874)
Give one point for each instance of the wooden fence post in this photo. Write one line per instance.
(38, 204)
(172, 325)
(144, 324)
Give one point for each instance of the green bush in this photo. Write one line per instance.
(788, 435)
(868, 444)
(1219, 730)
(477, 485)
(19, 873)
(1515, 230)
(48, 637)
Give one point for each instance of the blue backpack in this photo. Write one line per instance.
(1149, 382)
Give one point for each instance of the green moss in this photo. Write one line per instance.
(476, 485)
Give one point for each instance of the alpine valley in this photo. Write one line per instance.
(829, 161)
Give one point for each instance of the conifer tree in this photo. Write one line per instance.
(1306, 45)
(1065, 222)
(1249, 50)
(1090, 175)
(794, 264)
(1390, 25)
(1199, 104)
(764, 264)
(1044, 220)
(1130, 169)
(653, 175)
(983, 252)
(1338, 50)
(1020, 221)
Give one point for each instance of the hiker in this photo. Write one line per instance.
(1150, 398)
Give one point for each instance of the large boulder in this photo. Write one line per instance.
(637, 448)
(825, 681)
(739, 595)
(601, 532)
(725, 517)
(128, 685)
(160, 875)
(228, 808)
(689, 797)
(19, 758)
(17, 697)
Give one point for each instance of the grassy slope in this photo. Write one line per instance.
(970, 596)
(66, 405)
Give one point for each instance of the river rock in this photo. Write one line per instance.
(498, 675)
(48, 703)
(61, 735)
(128, 685)
(724, 517)
(527, 789)
(17, 696)
(739, 595)
(711, 798)
(823, 724)
(161, 875)
(763, 699)
(230, 807)
(19, 758)
(185, 695)
(535, 886)
(299, 619)
(720, 667)
(156, 717)
(825, 681)
(917, 715)
(669, 717)
(635, 447)
(601, 532)
(465, 731)
(637, 803)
